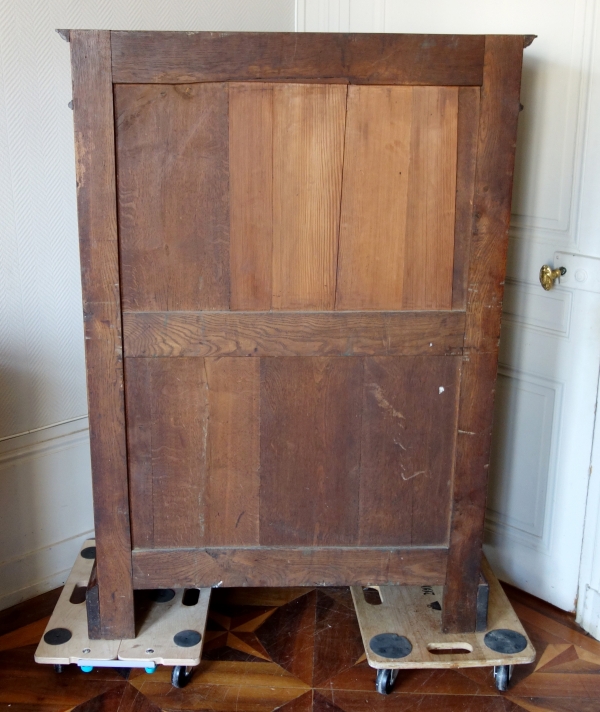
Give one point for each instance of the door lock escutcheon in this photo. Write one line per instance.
(548, 275)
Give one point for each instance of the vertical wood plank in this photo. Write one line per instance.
(172, 159)
(308, 148)
(179, 412)
(138, 390)
(429, 252)
(97, 216)
(374, 198)
(233, 457)
(408, 432)
(251, 194)
(499, 112)
(310, 450)
(468, 127)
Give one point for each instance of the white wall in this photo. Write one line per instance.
(45, 489)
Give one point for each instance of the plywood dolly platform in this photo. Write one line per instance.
(401, 629)
(171, 626)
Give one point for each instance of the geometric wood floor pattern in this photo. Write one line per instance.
(299, 650)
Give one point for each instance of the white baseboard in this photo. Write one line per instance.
(45, 508)
(588, 614)
(39, 571)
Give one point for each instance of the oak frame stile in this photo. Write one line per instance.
(97, 214)
(486, 70)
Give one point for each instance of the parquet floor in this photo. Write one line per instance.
(299, 650)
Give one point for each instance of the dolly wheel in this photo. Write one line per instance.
(384, 683)
(181, 676)
(502, 675)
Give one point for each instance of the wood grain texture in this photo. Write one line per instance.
(467, 139)
(310, 416)
(178, 57)
(172, 160)
(233, 482)
(408, 433)
(138, 387)
(398, 201)
(429, 252)
(499, 111)
(375, 188)
(97, 215)
(193, 451)
(185, 334)
(288, 566)
(308, 150)
(251, 194)
(179, 442)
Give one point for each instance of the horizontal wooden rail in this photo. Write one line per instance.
(185, 57)
(288, 566)
(230, 333)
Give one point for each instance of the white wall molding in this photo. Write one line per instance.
(520, 493)
(41, 442)
(340, 16)
(46, 508)
(24, 577)
(527, 305)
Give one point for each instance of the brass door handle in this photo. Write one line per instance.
(548, 275)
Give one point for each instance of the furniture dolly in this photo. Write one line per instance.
(171, 629)
(400, 626)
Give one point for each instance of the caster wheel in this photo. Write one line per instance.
(58, 668)
(181, 676)
(502, 675)
(384, 683)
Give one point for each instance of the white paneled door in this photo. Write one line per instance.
(550, 345)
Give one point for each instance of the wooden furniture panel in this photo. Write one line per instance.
(308, 146)
(429, 253)
(177, 334)
(286, 156)
(172, 169)
(193, 451)
(310, 420)
(283, 153)
(397, 223)
(373, 212)
(408, 431)
(251, 186)
(233, 452)
(312, 234)
(180, 58)
(288, 566)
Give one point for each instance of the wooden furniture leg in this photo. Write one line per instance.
(97, 213)
(499, 112)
